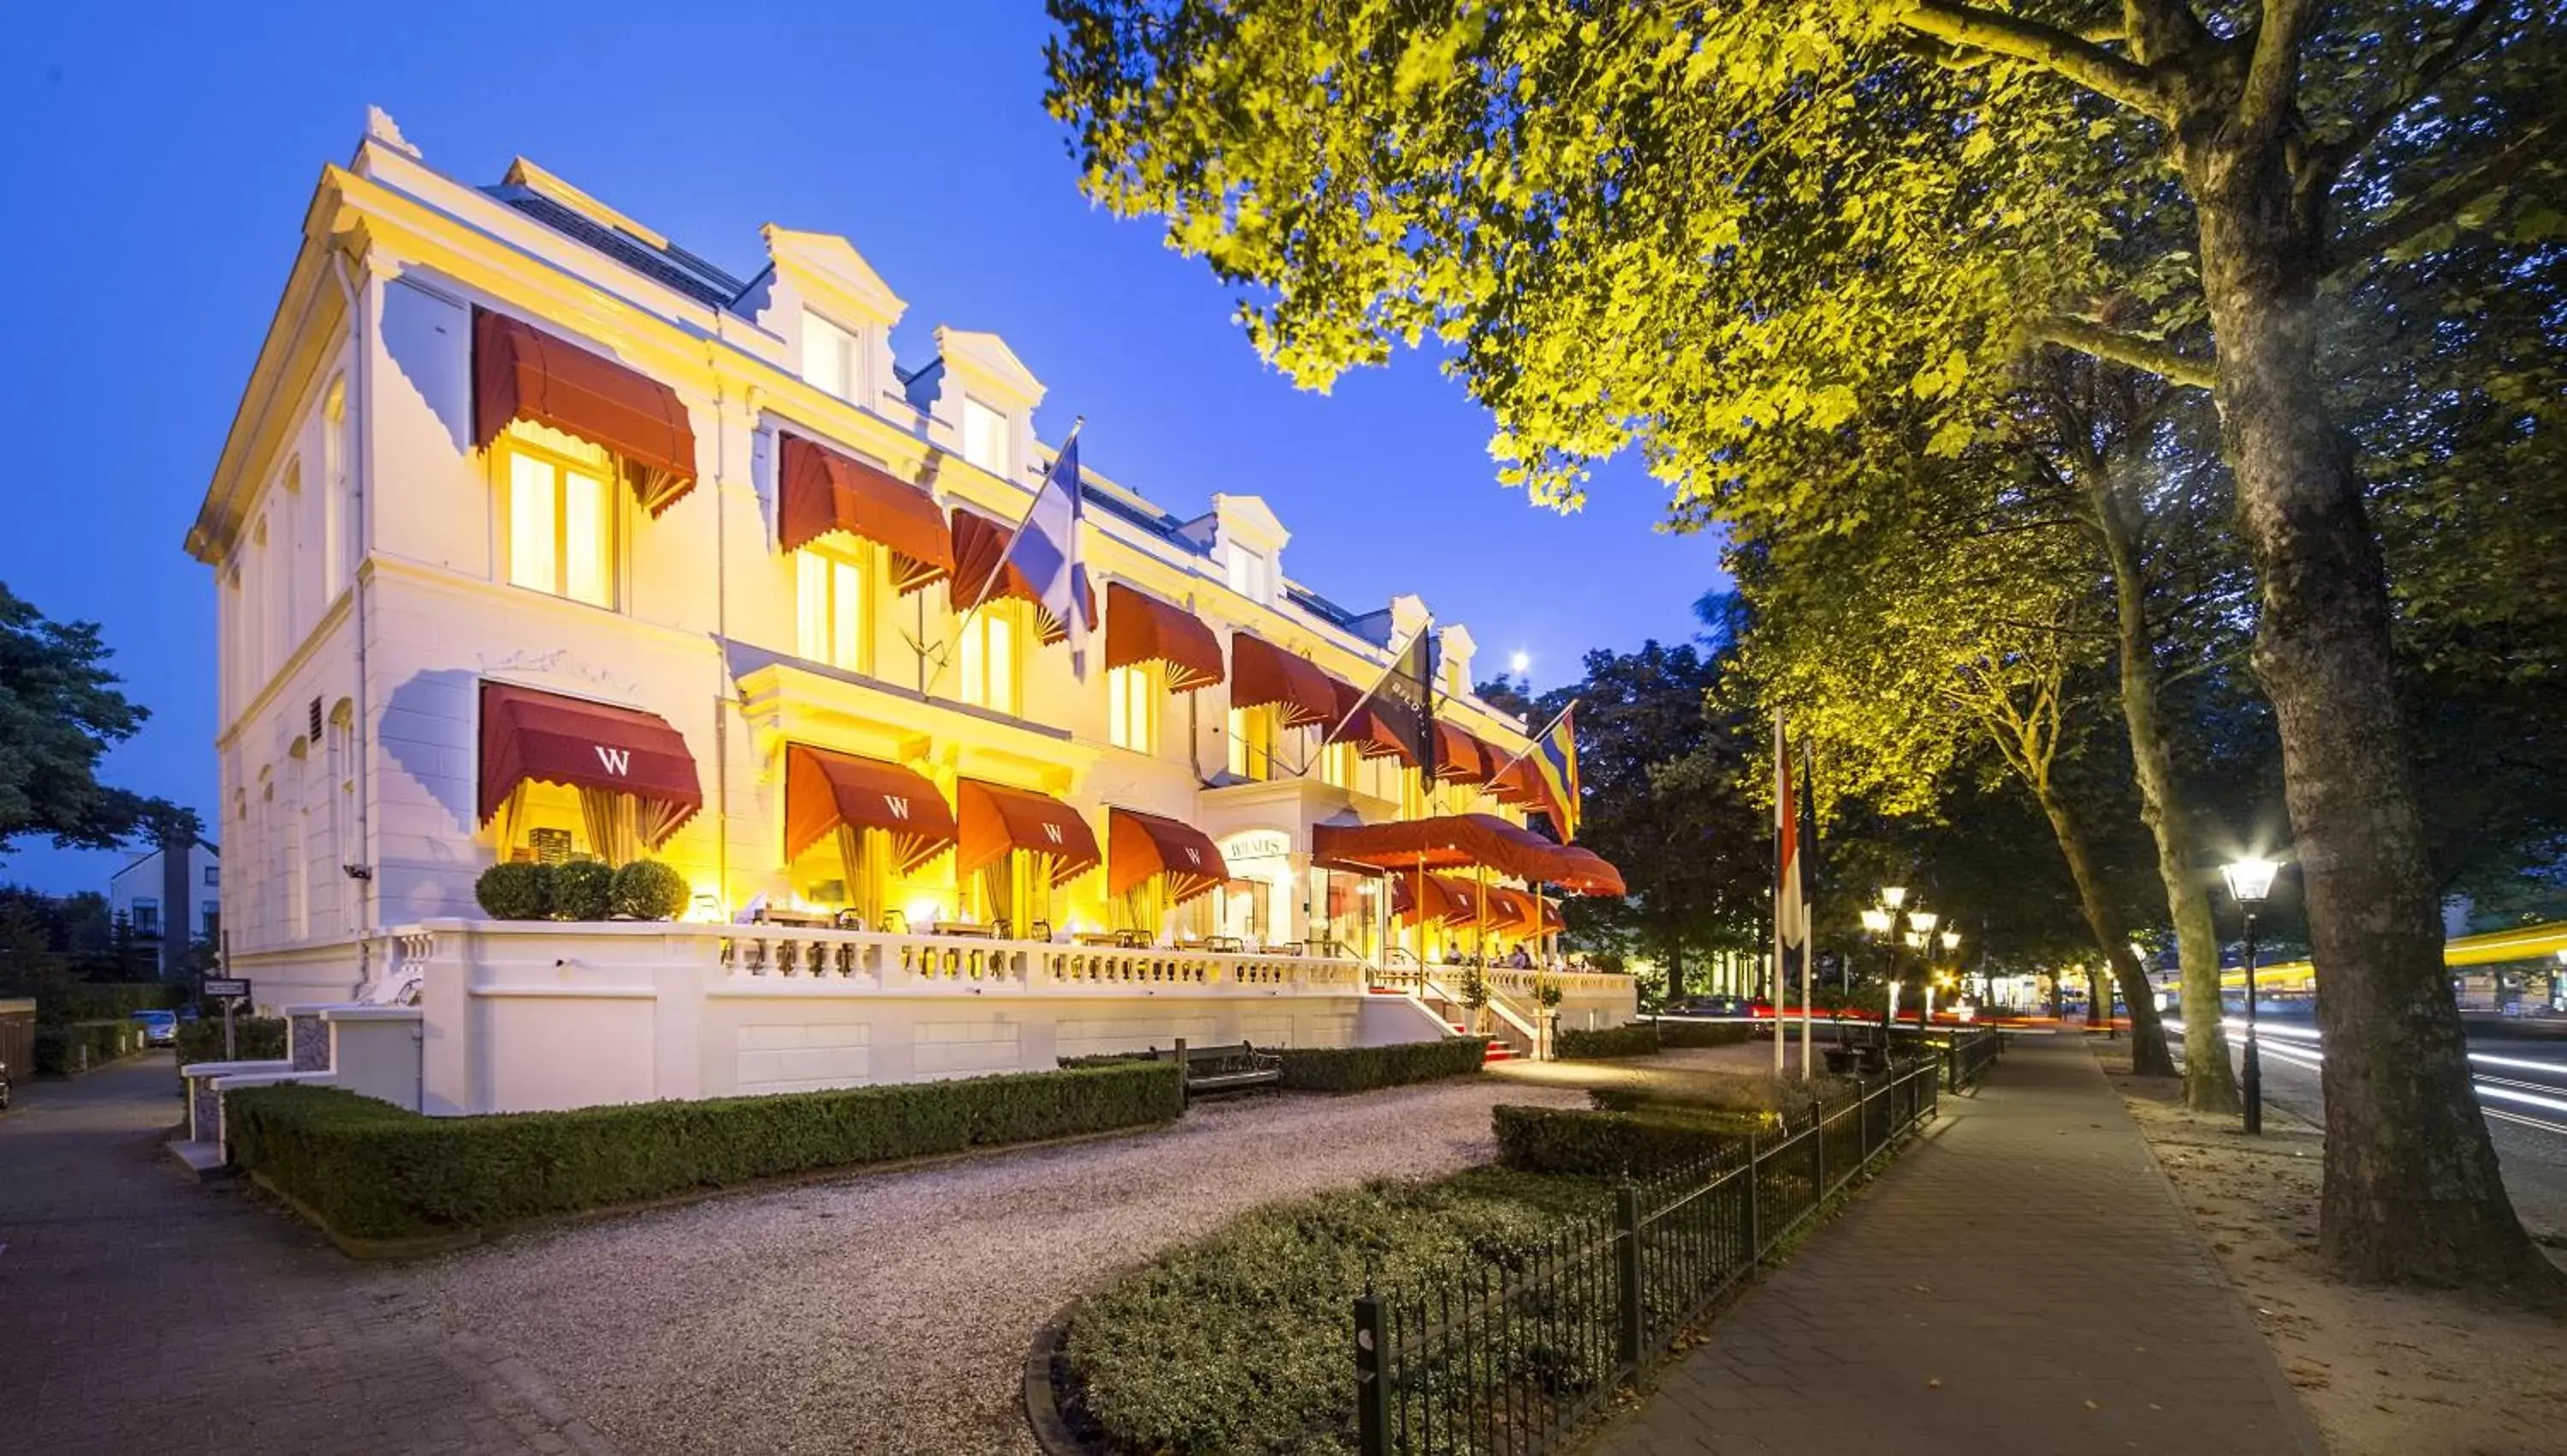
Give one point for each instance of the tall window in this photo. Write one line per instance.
(985, 437)
(831, 616)
(1248, 575)
(561, 518)
(1252, 741)
(988, 656)
(1337, 766)
(290, 599)
(146, 917)
(338, 513)
(340, 763)
(828, 356)
(1132, 708)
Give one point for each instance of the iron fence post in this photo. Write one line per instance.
(1627, 1271)
(1755, 1199)
(1372, 1392)
(1818, 1153)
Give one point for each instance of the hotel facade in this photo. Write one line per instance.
(537, 537)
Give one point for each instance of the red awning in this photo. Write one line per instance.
(822, 490)
(1441, 906)
(979, 544)
(1447, 841)
(519, 372)
(1459, 756)
(823, 790)
(1139, 628)
(1262, 673)
(1143, 845)
(1370, 738)
(1587, 873)
(548, 739)
(1518, 782)
(995, 819)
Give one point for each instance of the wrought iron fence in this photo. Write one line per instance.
(1506, 1357)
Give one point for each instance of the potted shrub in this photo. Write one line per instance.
(515, 890)
(582, 889)
(648, 890)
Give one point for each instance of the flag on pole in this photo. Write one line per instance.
(1047, 551)
(1791, 920)
(1403, 701)
(1555, 759)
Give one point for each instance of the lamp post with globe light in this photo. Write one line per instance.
(2249, 881)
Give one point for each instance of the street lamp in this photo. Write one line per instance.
(2249, 881)
(1894, 896)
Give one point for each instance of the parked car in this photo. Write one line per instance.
(1721, 1005)
(160, 1029)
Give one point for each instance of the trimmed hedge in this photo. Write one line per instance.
(1610, 1144)
(1356, 1068)
(1704, 1033)
(1631, 1039)
(100, 1001)
(58, 1049)
(370, 1170)
(648, 890)
(258, 1039)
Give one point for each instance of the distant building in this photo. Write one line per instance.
(170, 900)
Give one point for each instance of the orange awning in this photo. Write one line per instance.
(1139, 628)
(519, 372)
(979, 544)
(822, 490)
(1441, 906)
(995, 819)
(1587, 873)
(1370, 738)
(1143, 845)
(1262, 673)
(1459, 756)
(1460, 841)
(549, 738)
(1518, 782)
(823, 790)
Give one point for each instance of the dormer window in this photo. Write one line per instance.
(829, 360)
(1248, 573)
(985, 437)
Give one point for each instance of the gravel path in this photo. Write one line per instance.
(891, 1312)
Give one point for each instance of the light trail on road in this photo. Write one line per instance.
(2294, 1045)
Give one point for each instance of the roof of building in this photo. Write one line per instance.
(663, 261)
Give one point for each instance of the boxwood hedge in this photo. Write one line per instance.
(1355, 1068)
(1633, 1039)
(256, 1038)
(372, 1171)
(1611, 1144)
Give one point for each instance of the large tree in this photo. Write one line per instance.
(1678, 226)
(59, 712)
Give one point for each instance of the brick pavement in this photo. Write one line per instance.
(2021, 1282)
(141, 1311)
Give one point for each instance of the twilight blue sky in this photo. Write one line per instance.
(159, 158)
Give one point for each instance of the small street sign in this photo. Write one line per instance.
(232, 987)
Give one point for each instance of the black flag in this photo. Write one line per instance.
(1403, 701)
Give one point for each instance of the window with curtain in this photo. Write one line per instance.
(1248, 575)
(560, 513)
(833, 613)
(985, 437)
(988, 662)
(1337, 766)
(1132, 708)
(1252, 742)
(828, 356)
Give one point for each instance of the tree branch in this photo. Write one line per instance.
(2336, 152)
(2159, 358)
(2445, 201)
(2272, 86)
(2060, 52)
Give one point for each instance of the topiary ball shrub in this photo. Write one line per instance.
(582, 889)
(649, 890)
(517, 890)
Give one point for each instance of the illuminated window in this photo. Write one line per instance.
(1248, 573)
(1132, 708)
(988, 656)
(561, 521)
(1252, 742)
(1337, 766)
(828, 356)
(985, 437)
(831, 608)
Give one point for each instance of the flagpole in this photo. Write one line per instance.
(982, 597)
(1376, 691)
(1780, 985)
(1808, 916)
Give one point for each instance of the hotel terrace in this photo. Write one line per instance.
(538, 538)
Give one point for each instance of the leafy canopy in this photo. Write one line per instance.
(60, 710)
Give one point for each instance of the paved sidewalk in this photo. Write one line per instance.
(2022, 1281)
(141, 1312)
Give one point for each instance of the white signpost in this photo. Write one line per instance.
(231, 990)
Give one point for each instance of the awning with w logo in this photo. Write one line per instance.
(545, 737)
(1144, 845)
(995, 819)
(825, 791)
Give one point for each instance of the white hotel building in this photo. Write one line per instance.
(537, 536)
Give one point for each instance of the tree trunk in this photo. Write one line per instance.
(2209, 1085)
(2412, 1191)
(2149, 1055)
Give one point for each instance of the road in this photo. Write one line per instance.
(2522, 1090)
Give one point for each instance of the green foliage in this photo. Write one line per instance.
(645, 889)
(1610, 1144)
(374, 1171)
(515, 890)
(1237, 1342)
(255, 1038)
(80, 1045)
(1356, 1068)
(59, 712)
(93, 1001)
(582, 889)
(1631, 1039)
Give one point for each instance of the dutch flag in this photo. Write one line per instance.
(1045, 550)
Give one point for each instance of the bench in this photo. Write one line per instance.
(1222, 1069)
